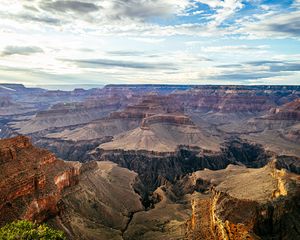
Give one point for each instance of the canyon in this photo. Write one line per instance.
(153, 161)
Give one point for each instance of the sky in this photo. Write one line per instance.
(62, 42)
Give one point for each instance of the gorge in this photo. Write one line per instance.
(153, 161)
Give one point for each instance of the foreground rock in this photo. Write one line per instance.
(100, 200)
(81, 199)
(249, 203)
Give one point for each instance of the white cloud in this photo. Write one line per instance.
(274, 24)
(190, 43)
(148, 40)
(224, 9)
(236, 49)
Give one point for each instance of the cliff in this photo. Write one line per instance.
(249, 204)
(157, 167)
(31, 180)
(167, 198)
(77, 198)
(289, 111)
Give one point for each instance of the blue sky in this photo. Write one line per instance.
(150, 41)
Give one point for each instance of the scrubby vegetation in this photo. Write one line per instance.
(26, 230)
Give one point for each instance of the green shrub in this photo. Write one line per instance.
(25, 230)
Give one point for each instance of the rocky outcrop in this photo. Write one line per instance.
(66, 114)
(226, 100)
(101, 205)
(147, 129)
(254, 219)
(149, 106)
(77, 198)
(291, 163)
(289, 111)
(163, 133)
(241, 207)
(84, 199)
(31, 180)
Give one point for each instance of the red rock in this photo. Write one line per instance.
(289, 111)
(31, 180)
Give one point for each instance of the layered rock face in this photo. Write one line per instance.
(277, 129)
(148, 106)
(248, 203)
(227, 100)
(163, 133)
(31, 181)
(289, 111)
(97, 114)
(100, 200)
(81, 199)
(66, 115)
(119, 121)
(164, 139)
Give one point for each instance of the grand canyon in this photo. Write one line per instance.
(153, 161)
(149, 120)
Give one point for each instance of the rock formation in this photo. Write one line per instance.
(153, 161)
(155, 168)
(162, 133)
(250, 203)
(289, 111)
(32, 180)
(37, 186)
(83, 200)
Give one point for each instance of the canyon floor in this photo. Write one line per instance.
(153, 161)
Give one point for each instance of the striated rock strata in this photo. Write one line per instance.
(32, 180)
(250, 203)
(100, 200)
(81, 199)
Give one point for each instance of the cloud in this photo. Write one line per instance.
(137, 9)
(229, 66)
(261, 69)
(148, 40)
(142, 18)
(126, 53)
(281, 25)
(263, 62)
(244, 76)
(152, 40)
(108, 11)
(94, 63)
(224, 9)
(20, 50)
(40, 19)
(237, 48)
(289, 24)
(65, 6)
(278, 66)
